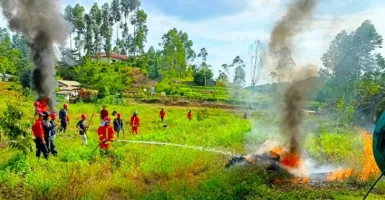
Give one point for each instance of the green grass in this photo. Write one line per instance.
(138, 171)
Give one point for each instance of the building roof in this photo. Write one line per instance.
(114, 55)
(70, 83)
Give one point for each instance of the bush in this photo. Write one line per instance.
(202, 115)
(103, 92)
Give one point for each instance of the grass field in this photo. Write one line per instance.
(140, 171)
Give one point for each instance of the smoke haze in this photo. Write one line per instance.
(42, 23)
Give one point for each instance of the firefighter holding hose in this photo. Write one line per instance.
(106, 135)
(38, 132)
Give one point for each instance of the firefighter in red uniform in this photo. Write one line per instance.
(135, 123)
(38, 132)
(106, 134)
(162, 114)
(189, 115)
(103, 114)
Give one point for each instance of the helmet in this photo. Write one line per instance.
(118, 115)
(136, 112)
(83, 116)
(65, 105)
(53, 115)
(36, 104)
(107, 119)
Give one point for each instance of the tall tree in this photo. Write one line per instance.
(21, 43)
(285, 63)
(153, 63)
(140, 33)
(240, 74)
(177, 50)
(88, 42)
(69, 16)
(96, 17)
(116, 15)
(78, 14)
(203, 72)
(106, 28)
(258, 57)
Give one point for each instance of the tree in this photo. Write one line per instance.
(203, 72)
(88, 43)
(21, 43)
(78, 15)
(258, 56)
(96, 18)
(203, 54)
(140, 33)
(116, 15)
(349, 57)
(176, 53)
(240, 74)
(222, 76)
(153, 63)
(285, 63)
(106, 28)
(69, 16)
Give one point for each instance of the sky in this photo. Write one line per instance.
(226, 28)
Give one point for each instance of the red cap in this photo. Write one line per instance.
(83, 116)
(107, 119)
(36, 104)
(53, 115)
(65, 105)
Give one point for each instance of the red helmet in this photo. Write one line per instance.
(36, 104)
(107, 119)
(83, 116)
(119, 115)
(65, 105)
(53, 115)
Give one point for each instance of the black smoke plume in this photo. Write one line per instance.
(42, 23)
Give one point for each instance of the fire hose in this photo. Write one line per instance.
(374, 184)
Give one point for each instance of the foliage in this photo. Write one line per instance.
(15, 129)
(202, 115)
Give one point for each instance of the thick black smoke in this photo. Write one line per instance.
(42, 23)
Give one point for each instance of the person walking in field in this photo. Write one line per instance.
(38, 132)
(64, 118)
(53, 124)
(106, 135)
(162, 114)
(118, 124)
(82, 127)
(135, 123)
(103, 114)
(48, 134)
(189, 115)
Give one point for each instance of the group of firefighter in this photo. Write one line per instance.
(44, 128)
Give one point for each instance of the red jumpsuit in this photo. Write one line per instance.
(107, 134)
(162, 114)
(134, 123)
(189, 115)
(38, 130)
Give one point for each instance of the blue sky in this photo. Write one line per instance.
(226, 28)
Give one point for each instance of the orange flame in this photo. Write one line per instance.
(370, 168)
(340, 175)
(291, 161)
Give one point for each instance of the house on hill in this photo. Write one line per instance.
(68, 88)
(114, 58)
